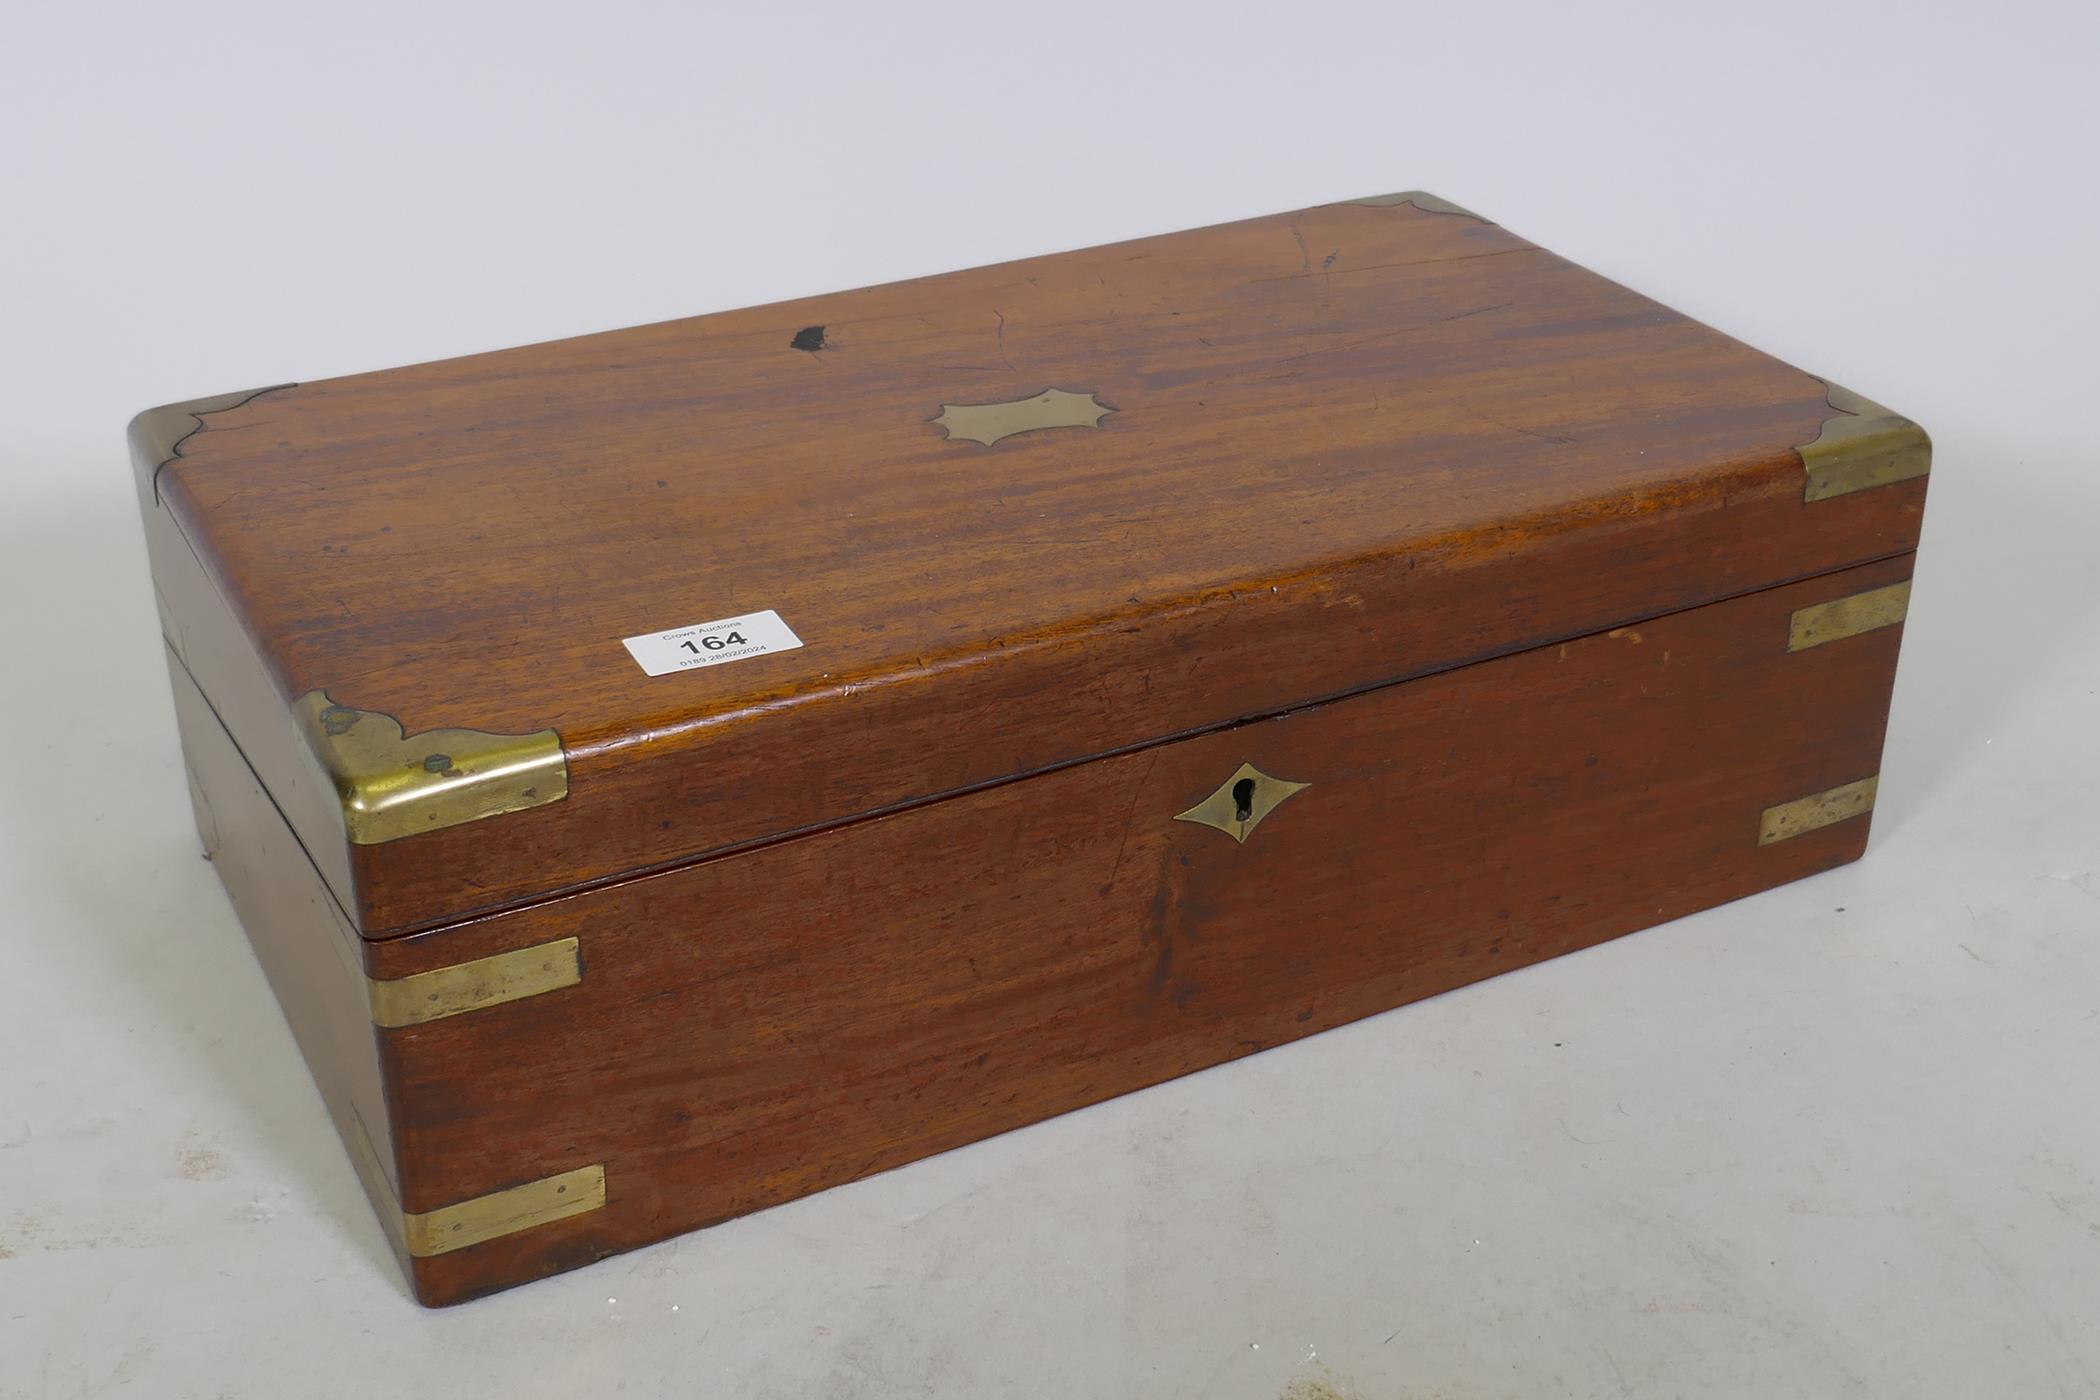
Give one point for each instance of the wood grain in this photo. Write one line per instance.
(305, 944)
(1350, 445)
(752, 1028)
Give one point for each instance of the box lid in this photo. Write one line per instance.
(958, 530)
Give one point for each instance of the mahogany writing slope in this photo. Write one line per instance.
(667, 772)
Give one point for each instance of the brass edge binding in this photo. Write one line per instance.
(1420, 199)
(478, 1219)
(1821, 809)
(483, 1218)
(1848, 617)
(470, 986)
(156, 435)
(1861, 445)
(393, 784)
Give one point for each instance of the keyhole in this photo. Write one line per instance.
(1243, 799)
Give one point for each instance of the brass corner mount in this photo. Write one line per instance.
(1861, 445)
(156, 435)
(1420, 199)
(393, 784)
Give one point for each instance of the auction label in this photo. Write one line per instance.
(711, 643)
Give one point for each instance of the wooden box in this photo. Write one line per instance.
(671, 771)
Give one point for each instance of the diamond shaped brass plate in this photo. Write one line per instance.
(1241, 801)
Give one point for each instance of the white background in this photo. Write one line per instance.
(1837, 1140)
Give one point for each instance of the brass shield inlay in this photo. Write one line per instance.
(1241, 801)
(394, 784)
(989, 422)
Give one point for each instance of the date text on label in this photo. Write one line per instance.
(711, 643)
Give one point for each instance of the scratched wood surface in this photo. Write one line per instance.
(1349, 444)
(756, 1027)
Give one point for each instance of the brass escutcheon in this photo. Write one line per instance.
(1241, 801)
